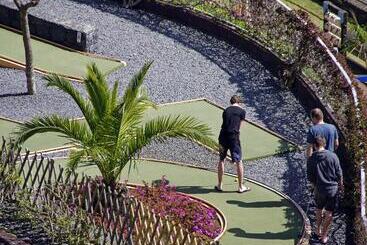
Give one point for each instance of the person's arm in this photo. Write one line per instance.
(336, 137)
(336, 144)
(310, 142)
(311, 171)
(309, 150)
(243, 118)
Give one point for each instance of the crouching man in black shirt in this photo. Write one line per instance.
(229, 139)
(324, 172)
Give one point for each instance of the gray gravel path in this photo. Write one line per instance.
(187, 64)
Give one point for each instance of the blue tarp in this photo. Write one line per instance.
(362, 78)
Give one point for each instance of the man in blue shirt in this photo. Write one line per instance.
(229, 139)
(325, 130)
(325, 174)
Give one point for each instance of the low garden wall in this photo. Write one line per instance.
(287, 44)
(71, 35)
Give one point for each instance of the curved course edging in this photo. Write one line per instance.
(306, 229)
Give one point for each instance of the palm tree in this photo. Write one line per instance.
(113, 132)
(23, 8)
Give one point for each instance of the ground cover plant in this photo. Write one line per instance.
(191, 214)
(113, 133)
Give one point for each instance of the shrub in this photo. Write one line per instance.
(182, 209)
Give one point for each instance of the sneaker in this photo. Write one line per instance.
(244, 189)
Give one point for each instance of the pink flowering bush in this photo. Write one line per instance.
(190, 213)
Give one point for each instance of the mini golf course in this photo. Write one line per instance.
(50, 58)
(257, 142)
(259, 217)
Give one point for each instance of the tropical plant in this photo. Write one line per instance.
(113, 132)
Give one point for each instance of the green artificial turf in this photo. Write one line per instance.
(51, 58)
(259, 217)
(256, 142)
(39, 142)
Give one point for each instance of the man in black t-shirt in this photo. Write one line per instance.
(229, 139)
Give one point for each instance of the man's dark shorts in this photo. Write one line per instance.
(327, 202)
(232, 143)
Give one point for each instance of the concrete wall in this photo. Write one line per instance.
(72, 35)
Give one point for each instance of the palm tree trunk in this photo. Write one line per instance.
(28, 50)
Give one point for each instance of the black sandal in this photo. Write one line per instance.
(218, 189)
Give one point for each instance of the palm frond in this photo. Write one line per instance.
(133, 88)
(64, 85)
(76, 157)
(97, 89)
(114, 97)
(164, 127)
(76, 131)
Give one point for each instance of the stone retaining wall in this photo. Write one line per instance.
(71, 35)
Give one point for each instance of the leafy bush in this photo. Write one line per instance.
(190, 213)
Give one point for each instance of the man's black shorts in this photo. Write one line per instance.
(327, 202)
(231, 142)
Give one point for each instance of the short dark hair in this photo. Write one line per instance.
(317, 114)
(320, 141)
(236, 99)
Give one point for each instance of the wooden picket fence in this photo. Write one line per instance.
(113, 216)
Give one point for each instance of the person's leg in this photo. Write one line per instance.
(318, 221)
(236, 154)
(328, 218)
(320, 201)
(239, 174)
(222, 156)
(220, 174)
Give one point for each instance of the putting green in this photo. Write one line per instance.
(259, 217)
(256, 142)
(50, 58)
(40, 142)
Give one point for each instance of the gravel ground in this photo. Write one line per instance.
(26, 230)
(187, 64)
